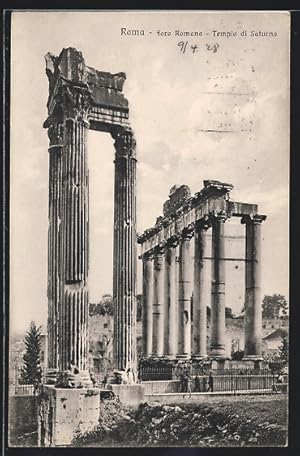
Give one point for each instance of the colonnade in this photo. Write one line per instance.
(170, 278)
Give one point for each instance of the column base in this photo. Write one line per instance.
(170, 357)
(51, 376)
(66, 379)
(218, 352)
(252, 358)
(156, 357)
(183, 356)
(64, 412)
(199, 357)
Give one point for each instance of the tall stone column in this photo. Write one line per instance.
(184, 295)
(73, 329)
(202, 288)
(218, 287)
(125, 250)
(68, 107)
(158, 302)
(147, 303)
(170, 301)
(55, 133)
(253, 303)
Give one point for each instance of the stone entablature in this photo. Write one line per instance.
(212, 200)
(102, 91)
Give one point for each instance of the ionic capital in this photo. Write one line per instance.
(256, 219)
(125, 143)
(173, 242)
(159, 250)
(203, 224)
(217, 217)
(188, 232)
(147, 256)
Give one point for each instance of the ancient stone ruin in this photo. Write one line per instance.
(166, 253)
(82, 98)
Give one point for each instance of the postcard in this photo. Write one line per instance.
(149, 228)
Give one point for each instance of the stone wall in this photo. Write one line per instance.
(23, 420)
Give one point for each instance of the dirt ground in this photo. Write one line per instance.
(223, 422)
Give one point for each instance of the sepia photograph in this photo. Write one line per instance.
(149, 228)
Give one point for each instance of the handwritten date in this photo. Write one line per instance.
(185, 47)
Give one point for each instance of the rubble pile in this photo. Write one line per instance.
(187, 425)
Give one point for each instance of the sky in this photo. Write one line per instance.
(220, 112)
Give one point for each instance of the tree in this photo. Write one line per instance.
(274, 306)
(107, 304)
(104, 307)
(31, 372)
(283, 353)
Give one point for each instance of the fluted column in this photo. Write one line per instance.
(55, 133)
(69, 241)
(218, 287)
(184, 294)
(253, 303)
(75, 225)
(158, 302)
(202, 288)
(170, 300)
(147, 303)
(124, 272)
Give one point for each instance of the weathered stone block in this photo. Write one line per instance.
(64, 412)
(129, 394)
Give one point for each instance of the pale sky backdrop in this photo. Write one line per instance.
(174, 99)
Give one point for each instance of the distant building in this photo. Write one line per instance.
(272, 342)
(101, 329)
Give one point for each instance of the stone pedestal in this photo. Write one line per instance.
(64, 412)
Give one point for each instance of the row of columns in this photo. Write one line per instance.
(169, 282)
